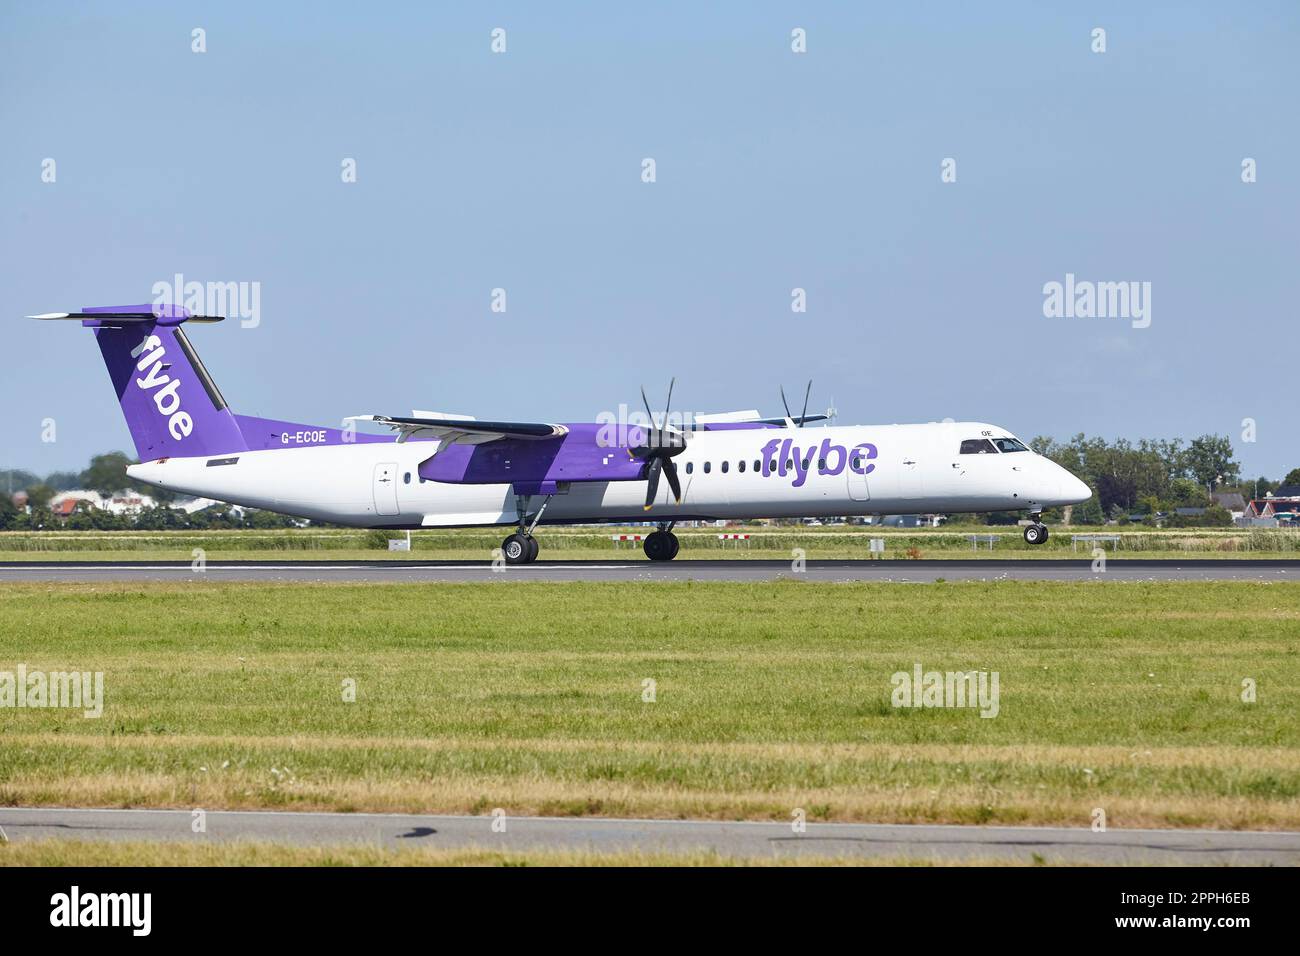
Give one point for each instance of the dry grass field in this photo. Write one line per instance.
(535, 697)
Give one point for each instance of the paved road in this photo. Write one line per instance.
(937, 843)
(681, 570)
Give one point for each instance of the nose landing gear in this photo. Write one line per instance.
(1035, 530)
(1035, 533)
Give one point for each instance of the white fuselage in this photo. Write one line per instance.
(918, 469)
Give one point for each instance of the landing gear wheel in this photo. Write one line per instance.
(677, 545)
(1035, 533)
(516, 549)
(533, 548)
(660, 546)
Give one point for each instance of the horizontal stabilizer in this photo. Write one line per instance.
(122, 315)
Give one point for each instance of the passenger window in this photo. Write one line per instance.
(706, 467)
(789, 464)
(741, 465)
(821, 464)
(758, 465)
(978, 446)
(1009, 444)
(406, 478)
(855, 462)
(690, 468)
(724, 467)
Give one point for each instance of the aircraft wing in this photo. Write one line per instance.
(752, 417)
(462, 430)
(796, 420)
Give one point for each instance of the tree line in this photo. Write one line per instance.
(1155, 475)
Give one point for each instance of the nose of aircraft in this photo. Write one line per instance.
(1073, 491)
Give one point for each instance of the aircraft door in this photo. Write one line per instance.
(385, 488)
(858, 489)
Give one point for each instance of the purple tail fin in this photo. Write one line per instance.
(171, 404)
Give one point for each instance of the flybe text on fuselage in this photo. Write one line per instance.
(826, 459)
(166, 390)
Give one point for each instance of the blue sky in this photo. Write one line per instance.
(775, 170)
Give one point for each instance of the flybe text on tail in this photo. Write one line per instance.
(165, 389)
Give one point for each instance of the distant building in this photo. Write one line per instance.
(1283, 508)
(120, 503)
(1231, 502)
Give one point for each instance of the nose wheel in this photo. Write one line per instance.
(1035, 533)
(661, 545)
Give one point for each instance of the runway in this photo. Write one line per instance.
(740, 569)
(760, 840)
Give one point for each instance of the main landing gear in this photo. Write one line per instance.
(1035, 530)
(521, 547)
(661, 545)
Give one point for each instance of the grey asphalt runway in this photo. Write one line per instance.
(913, 572)
(890, 841)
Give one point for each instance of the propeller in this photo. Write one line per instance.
(804, 413)
(662, 444)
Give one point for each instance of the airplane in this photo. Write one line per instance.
(437, 470)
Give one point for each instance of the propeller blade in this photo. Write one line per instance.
(646, 402)
(804, 413)
(671, 471)
(785, 403)
(652, 481)
(668, 405)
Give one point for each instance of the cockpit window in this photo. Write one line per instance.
(1009, 444)
(978, 446)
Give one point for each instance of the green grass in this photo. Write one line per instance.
(772, 696)
(585, 543)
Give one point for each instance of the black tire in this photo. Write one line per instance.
(676, 545)
(1035, 534)
(533, 548)
(515, 549)
(1045, 534)
(657, 546)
